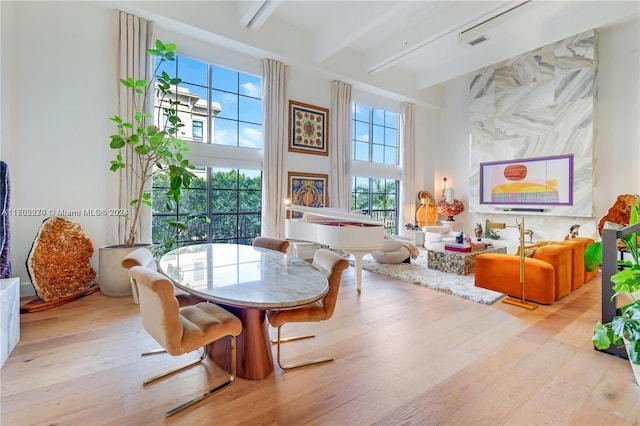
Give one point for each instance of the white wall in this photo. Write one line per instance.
(60, 104)
(617, 148)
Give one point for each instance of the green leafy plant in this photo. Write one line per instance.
(625, 326)
(171, 241)
(152, 147)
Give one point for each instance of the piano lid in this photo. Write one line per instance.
(324, 213)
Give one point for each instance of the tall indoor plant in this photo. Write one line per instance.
(146, 148)
(154, 147)
(624, 329)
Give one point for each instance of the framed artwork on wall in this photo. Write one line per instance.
(307, 189)
(546, 181)
(308, 127)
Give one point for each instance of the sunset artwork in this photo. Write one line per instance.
(534, 181)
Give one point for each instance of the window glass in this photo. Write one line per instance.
(375, 142)
(222, 205)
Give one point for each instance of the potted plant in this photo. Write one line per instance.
(147, 148)
(624, 328)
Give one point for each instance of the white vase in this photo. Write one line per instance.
(112, 277)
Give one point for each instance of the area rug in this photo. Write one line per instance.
(417, 273)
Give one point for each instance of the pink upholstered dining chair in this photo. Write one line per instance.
(180, 330)
(143, 257)
(332, 265)
(271, 243)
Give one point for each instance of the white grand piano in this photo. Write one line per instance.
(354, 233)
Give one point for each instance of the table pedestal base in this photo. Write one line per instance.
(254, 357)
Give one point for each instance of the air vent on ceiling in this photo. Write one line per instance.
(479, 32)
(477, 40)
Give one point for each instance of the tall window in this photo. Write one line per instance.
(221, 112)
(376, 148)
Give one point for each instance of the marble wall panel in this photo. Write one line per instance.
(531, 96)
(482, 107)
(575, 84)
(482, 83)
(543, 106)
(525, 123)
(535, 67)
(578, 51)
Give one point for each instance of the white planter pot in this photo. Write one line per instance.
(635, 367)
(112, 277)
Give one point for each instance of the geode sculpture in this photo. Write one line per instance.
(58, 262)
(5, 262)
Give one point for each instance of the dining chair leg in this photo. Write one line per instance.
(175, 370)
(300, 364)
(292, 339)
(214, 390)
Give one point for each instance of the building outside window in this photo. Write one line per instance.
(221, 113)
(376, 147)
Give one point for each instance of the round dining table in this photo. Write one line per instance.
(247, 281)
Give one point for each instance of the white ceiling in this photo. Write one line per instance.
(376, 41)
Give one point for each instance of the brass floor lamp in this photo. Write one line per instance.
(522, 302)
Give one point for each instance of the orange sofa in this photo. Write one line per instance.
(547, 273)
(565, 260)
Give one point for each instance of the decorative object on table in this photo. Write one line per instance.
(623, 328)
(144, 149)
(490, 233)
(426, 213)
(5, 261)
(412, 227)
(450, 207)
(309, 190)
(533, 181)
(573, 232)
(478, 231)
(308, 127)
(58, 264)
(522, 302)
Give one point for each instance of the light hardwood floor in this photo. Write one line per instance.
(404, 355)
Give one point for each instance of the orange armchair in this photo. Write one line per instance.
(547, 273)
(501, 273)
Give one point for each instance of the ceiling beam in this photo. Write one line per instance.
(253, 14)
(453, 18)
(344, 29)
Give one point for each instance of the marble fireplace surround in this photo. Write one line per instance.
(538, 104)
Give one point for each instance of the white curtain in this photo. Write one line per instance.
(340, 146)
(132, 37)
(274, 119)
(407, 161)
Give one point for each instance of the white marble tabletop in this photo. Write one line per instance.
(244, 276)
